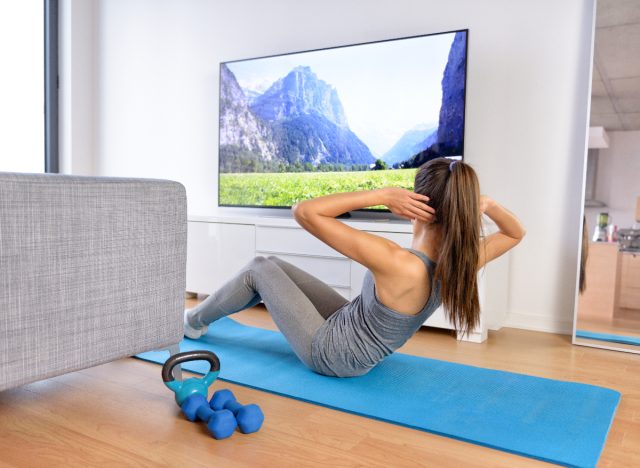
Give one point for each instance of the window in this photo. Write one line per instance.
(22, 92)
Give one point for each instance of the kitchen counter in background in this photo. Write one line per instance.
(613, 281)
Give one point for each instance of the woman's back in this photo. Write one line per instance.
(364, 331)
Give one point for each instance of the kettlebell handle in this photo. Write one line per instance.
(211, 358)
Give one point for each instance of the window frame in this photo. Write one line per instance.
(51, 85)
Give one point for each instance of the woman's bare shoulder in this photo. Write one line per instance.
(405, 288)
(405, 269)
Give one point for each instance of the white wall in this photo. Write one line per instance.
(527, 104)
(618, 180)
(77, 101)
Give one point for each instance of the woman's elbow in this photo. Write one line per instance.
(523, 232)
(299, 212)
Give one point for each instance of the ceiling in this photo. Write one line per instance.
(615, 95)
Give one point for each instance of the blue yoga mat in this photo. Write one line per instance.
(632, 340)
(559, 422)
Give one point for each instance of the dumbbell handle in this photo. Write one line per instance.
(233, 406)
(204, 413)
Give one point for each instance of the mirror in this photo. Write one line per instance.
(607, 311)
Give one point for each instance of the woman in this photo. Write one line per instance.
(402, 288)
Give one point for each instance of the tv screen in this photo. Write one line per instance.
(358, 117)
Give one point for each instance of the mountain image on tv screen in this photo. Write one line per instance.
(360, 117)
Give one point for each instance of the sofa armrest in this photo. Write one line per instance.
(91, 270)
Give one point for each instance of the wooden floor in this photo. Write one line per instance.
(120, 414)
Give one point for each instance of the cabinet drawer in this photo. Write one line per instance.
(336, 272)
(631, 268)
(216, 252)
(629, 298)
(630, 281)
(291, 241)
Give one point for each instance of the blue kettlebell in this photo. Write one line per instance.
(184, 389)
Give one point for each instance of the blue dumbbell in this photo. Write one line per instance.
(221, 424)
(249, 417)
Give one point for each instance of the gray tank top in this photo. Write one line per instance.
(364, 331)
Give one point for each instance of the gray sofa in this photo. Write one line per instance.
(91, 270)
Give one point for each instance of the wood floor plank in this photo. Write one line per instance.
(40, 438)
(405, 446)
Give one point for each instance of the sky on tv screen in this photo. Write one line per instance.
(385, 88)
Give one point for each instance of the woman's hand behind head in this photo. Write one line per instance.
(408, 204)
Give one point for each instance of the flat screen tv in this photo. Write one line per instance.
(356, 117)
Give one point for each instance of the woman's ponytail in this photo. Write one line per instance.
(454, 191)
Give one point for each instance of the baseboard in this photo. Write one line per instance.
(538, 323)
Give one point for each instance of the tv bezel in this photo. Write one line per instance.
(369, 210)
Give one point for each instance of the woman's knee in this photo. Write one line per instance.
(260, 265)
(280, 262)
(274, 259)
(258, 261)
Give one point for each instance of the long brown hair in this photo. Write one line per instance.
(454, 193)
(584, 254)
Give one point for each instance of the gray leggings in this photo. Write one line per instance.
(298, 302)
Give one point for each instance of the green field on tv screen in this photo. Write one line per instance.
(286, 189)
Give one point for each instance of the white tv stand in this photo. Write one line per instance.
(219, 246)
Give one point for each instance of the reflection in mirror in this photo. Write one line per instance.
(608, 303)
